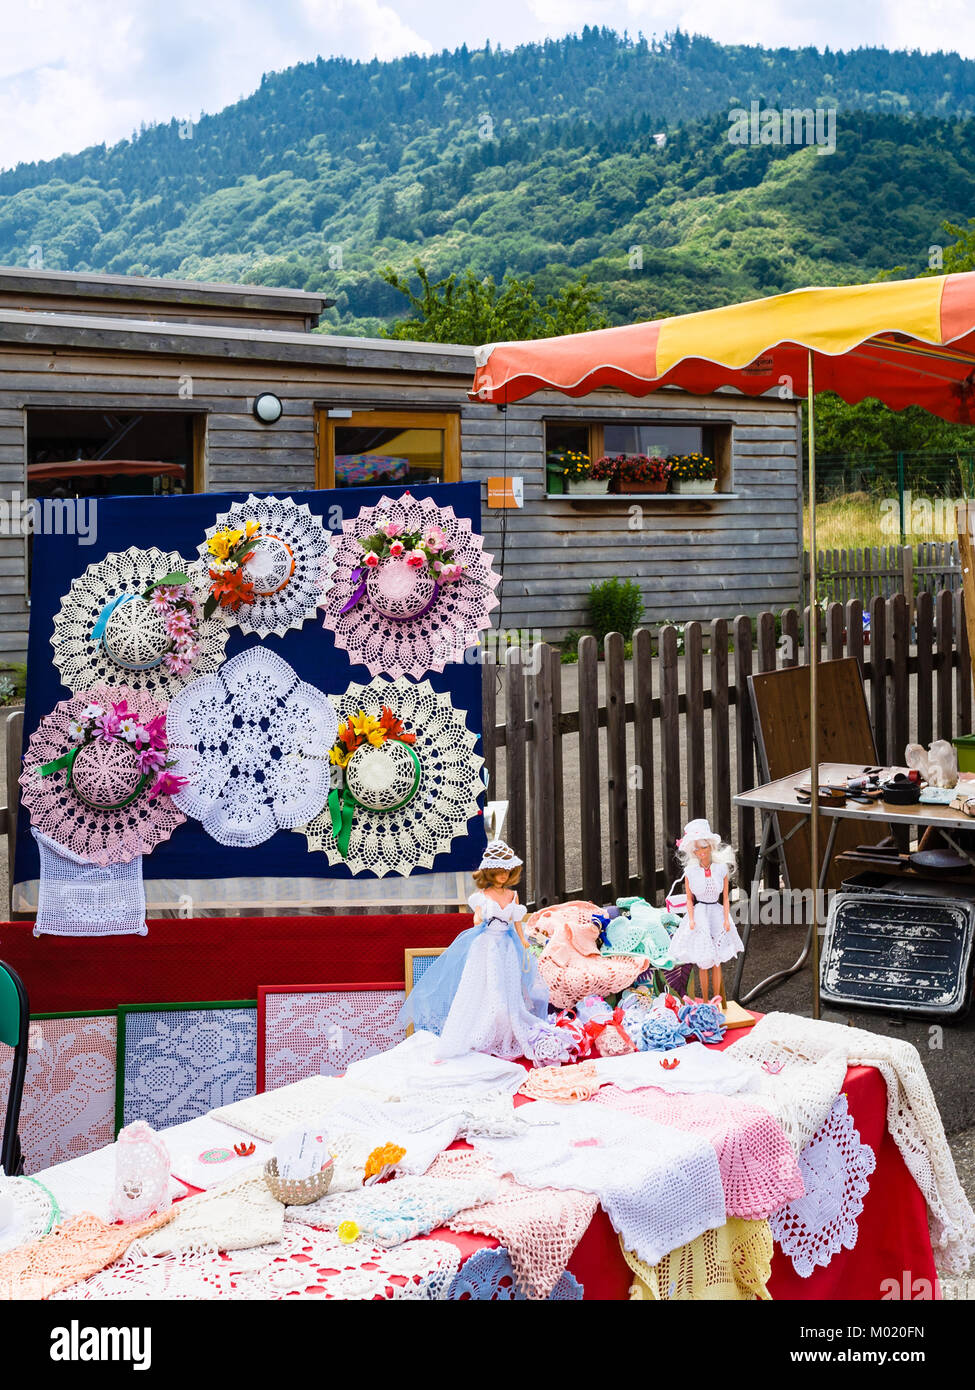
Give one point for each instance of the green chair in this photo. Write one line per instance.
(14, 1028)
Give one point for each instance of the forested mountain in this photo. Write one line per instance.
(539, 161)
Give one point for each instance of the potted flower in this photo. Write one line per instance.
(638, 473)
(692, 473)
(582, 475)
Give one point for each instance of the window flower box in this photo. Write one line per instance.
(694, 485)
(692, 473)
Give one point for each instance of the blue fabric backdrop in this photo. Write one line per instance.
(178, 523)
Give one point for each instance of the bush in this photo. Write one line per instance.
(615, 605)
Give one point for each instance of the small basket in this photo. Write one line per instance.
(298, 1192)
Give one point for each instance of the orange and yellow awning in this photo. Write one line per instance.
(905, 342)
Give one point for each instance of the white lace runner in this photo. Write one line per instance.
(660, 1187)
(393, 1212)
(836, 1168)
(310, 546)
(399, 841)
(78, 898)
(305, 1263)
(413, 645)
(83, 660)
(238, 1215)
(254, 742)
(781, 1040)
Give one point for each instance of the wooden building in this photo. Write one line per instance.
(122, 385)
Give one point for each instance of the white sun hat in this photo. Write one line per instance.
(498, 855)
(694, 832)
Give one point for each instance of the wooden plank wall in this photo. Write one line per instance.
(693, 560)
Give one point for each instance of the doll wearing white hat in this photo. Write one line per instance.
(707, 936)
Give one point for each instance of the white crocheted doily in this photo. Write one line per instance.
(35, 1212)
(84, 661)
(301, 592)
(836, 1168)
(254, 741)
(399, 841)
(443, 631)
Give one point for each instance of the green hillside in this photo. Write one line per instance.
(539, 161)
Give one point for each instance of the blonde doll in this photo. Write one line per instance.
(484, 993)
(707, 936)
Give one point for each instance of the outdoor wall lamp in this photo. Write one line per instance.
(268, 408)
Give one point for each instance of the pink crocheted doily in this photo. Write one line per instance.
(102, 836)
(446, 624)
(759, 1171)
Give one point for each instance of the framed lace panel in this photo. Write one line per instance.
(319, 1030)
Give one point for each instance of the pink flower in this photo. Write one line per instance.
(167, 785)
(159, 600)
(396, 549)
(371, 560)
(178, 622)
(416, 559)
(176, 664)
(450, 573)
(108, 727)
(150, 760)
(156, 730)
(434, 538)
(392, 528)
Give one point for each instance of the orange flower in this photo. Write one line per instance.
(231, 589)
(383, 1160)
(394, 727)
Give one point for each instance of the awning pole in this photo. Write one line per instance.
(813, 691)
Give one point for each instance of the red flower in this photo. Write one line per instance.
(394, 727)
(231, 589)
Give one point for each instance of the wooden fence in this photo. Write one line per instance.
(885, 570)
(599, 793)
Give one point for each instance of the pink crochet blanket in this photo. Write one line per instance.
(73, 1251)
(759, 1171)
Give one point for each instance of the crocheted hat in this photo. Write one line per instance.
(408, 779)
(95, 777)
(413, 587)
(135, 618)
(254, 741)
(498, 855)
(270, 564)
(696, 831)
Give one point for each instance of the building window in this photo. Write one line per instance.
(111, 453)
(371, 448)
(655, 438)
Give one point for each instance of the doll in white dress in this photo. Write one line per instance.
(484, 994)
(706, 937)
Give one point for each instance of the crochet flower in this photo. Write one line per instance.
(92, 711)
(159, 601)
(107, 727)
(450, 573)
(548, 1046)
(392, 528)
(434, 538)
(231, 589)
(77, 731)
(659, 1034)
(703, 1020)
(223, 543)
(348, 1232)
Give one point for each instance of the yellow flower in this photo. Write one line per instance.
(223, 543)
(251, 528)
(348, 1232)
(339, 756)
(367, 726)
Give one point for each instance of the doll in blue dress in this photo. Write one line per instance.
(484, 994)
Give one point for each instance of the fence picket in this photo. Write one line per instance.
(694, 688)
(646, 848)
(878, 675)
(924, 625)
(616, 787)
(669, 746)
(745, 744)
(543, 781)
(589, 784)
(945, 625)
(720, 734)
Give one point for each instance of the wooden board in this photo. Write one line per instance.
(780, 704)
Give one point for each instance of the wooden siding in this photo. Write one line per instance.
(692, 558)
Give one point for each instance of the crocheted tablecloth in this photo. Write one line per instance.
(732, 1263)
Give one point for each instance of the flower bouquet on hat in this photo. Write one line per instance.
(97, 776)
(413, 587)
(136, 618)
(270, 564)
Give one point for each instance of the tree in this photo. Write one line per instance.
(468, 310)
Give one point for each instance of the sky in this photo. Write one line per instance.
(78, 72)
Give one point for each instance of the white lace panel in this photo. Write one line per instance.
(84, 661)
(309, 545)
(77, 898)
(836, 1169)
(254, 741)
(387, 842)
(312, 1033)
(305, 1263)
(370, 632)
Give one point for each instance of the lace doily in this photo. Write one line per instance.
(836, 1168)
(237, 1215)
(400, 626)
(385, 842)
(57, 811)
(254, 742)
(322, 1033)
(131, 649)
(35, 1212)
(660, 1187)
(562, 1084)
(292, 575)
(393, 1212)
(77, 898)
(539, 1227)
(732, 1264)
(759, 1171)
(488, 1276)
(305, 1263)
(72, 1251)
(781, 1040)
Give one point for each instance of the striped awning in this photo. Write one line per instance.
(905, 342)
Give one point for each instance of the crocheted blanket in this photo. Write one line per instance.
(787, 1041)
(732, 1264)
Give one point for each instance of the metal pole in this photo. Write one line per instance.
(813, 692)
